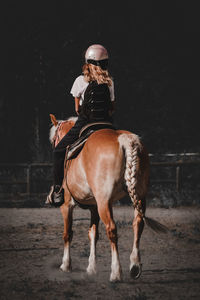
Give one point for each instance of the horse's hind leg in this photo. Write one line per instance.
(106, 215)
(135, 261)
(93, 234)
(67, 209)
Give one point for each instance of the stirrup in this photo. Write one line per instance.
(54, 198)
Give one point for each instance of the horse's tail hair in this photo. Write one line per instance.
(155, 225)
(132, 145)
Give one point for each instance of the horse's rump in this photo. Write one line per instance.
(91, 166)
(109, 162)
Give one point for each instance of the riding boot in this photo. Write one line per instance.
(56, 194)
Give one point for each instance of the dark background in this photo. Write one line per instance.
(154, 59)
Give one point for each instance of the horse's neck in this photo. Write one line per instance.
(57, 132)
(65, 127)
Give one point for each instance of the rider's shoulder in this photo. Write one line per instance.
(80, 79)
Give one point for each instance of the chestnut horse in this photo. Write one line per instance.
(112, 164)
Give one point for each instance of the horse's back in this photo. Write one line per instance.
(103, 144)
(112, 140)
(103, 138)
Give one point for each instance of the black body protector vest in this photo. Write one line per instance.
(97, 102)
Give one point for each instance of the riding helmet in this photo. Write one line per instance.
(97, 55)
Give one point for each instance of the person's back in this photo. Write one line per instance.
(97, 102)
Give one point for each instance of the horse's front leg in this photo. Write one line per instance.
(135, 261)
(67, 210)
(93, 234)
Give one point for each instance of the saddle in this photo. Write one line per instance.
(74, 149)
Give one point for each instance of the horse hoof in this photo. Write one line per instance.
(116, 278)
(91, 271)
(65, 268)
(136, 271)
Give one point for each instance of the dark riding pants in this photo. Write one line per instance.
(60, 150)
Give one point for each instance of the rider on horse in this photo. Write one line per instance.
(94, 101)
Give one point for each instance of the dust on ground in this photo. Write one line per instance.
(31, 251)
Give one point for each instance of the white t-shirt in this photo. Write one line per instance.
(80, 85)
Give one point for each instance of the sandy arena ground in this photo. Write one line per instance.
(31, 251)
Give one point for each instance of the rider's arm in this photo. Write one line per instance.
(77, 101)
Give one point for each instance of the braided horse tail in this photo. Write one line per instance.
(132, 147)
